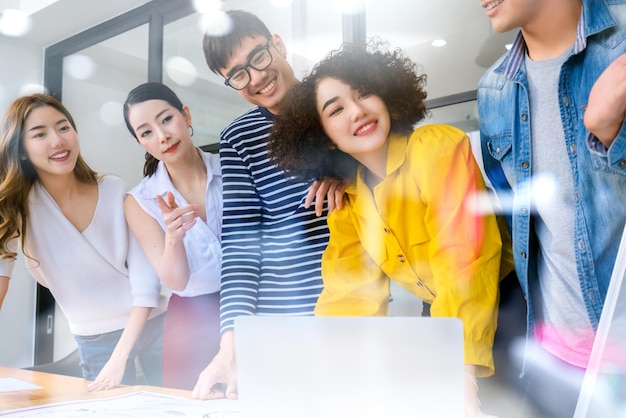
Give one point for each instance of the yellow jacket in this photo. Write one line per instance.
(421, 226)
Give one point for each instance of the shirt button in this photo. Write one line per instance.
(498, 150)
(622, 163)
(387, 230)
(524, 116)
(419, 284)
(523, 254)
(523, 210)
(525, 164)
(401, 258)
(581, 245)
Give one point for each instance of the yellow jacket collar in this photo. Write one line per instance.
(396, 154)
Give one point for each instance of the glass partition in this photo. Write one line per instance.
(96, 81)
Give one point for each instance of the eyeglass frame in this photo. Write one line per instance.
(248, 65)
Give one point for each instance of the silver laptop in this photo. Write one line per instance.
(327, 367)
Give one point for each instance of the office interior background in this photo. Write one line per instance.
(91, 53)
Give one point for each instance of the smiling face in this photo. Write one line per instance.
(161, 128)
(267, 87)
(358, 123)
(50, 142)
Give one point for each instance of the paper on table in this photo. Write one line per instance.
(138, 404)
(11, 384)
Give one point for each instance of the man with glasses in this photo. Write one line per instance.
(239, 78)
(272, 240)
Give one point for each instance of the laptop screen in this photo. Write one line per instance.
(349, 367)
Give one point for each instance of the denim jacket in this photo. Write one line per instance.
(599, 174)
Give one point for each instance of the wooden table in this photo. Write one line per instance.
(59, 388)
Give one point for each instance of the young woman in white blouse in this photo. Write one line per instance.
(70, 224)
(176, 214)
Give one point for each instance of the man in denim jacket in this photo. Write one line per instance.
(557, 159)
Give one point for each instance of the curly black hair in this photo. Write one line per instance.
(298, 143)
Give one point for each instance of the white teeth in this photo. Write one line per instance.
(493, 4)
(364, 128)
(59, 156)
(268, 87)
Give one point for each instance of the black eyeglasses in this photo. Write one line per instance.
(261, 59)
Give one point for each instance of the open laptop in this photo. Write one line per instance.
(327, 367)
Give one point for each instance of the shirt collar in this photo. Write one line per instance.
(396, 155)
(594, 18)
(396, 152)
(162, 183)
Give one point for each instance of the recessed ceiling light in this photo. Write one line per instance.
(14, 23)
(438, 42)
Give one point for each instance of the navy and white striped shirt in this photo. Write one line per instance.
(271, 245)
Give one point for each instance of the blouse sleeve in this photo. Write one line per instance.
(144, 282)
(465, 246)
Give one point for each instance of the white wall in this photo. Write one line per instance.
(20, 67)
(17, 319)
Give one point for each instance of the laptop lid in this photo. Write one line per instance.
(326, 367)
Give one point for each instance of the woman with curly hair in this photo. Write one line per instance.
(412, 211)
(70, 223)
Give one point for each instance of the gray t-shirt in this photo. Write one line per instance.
(563, 326)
